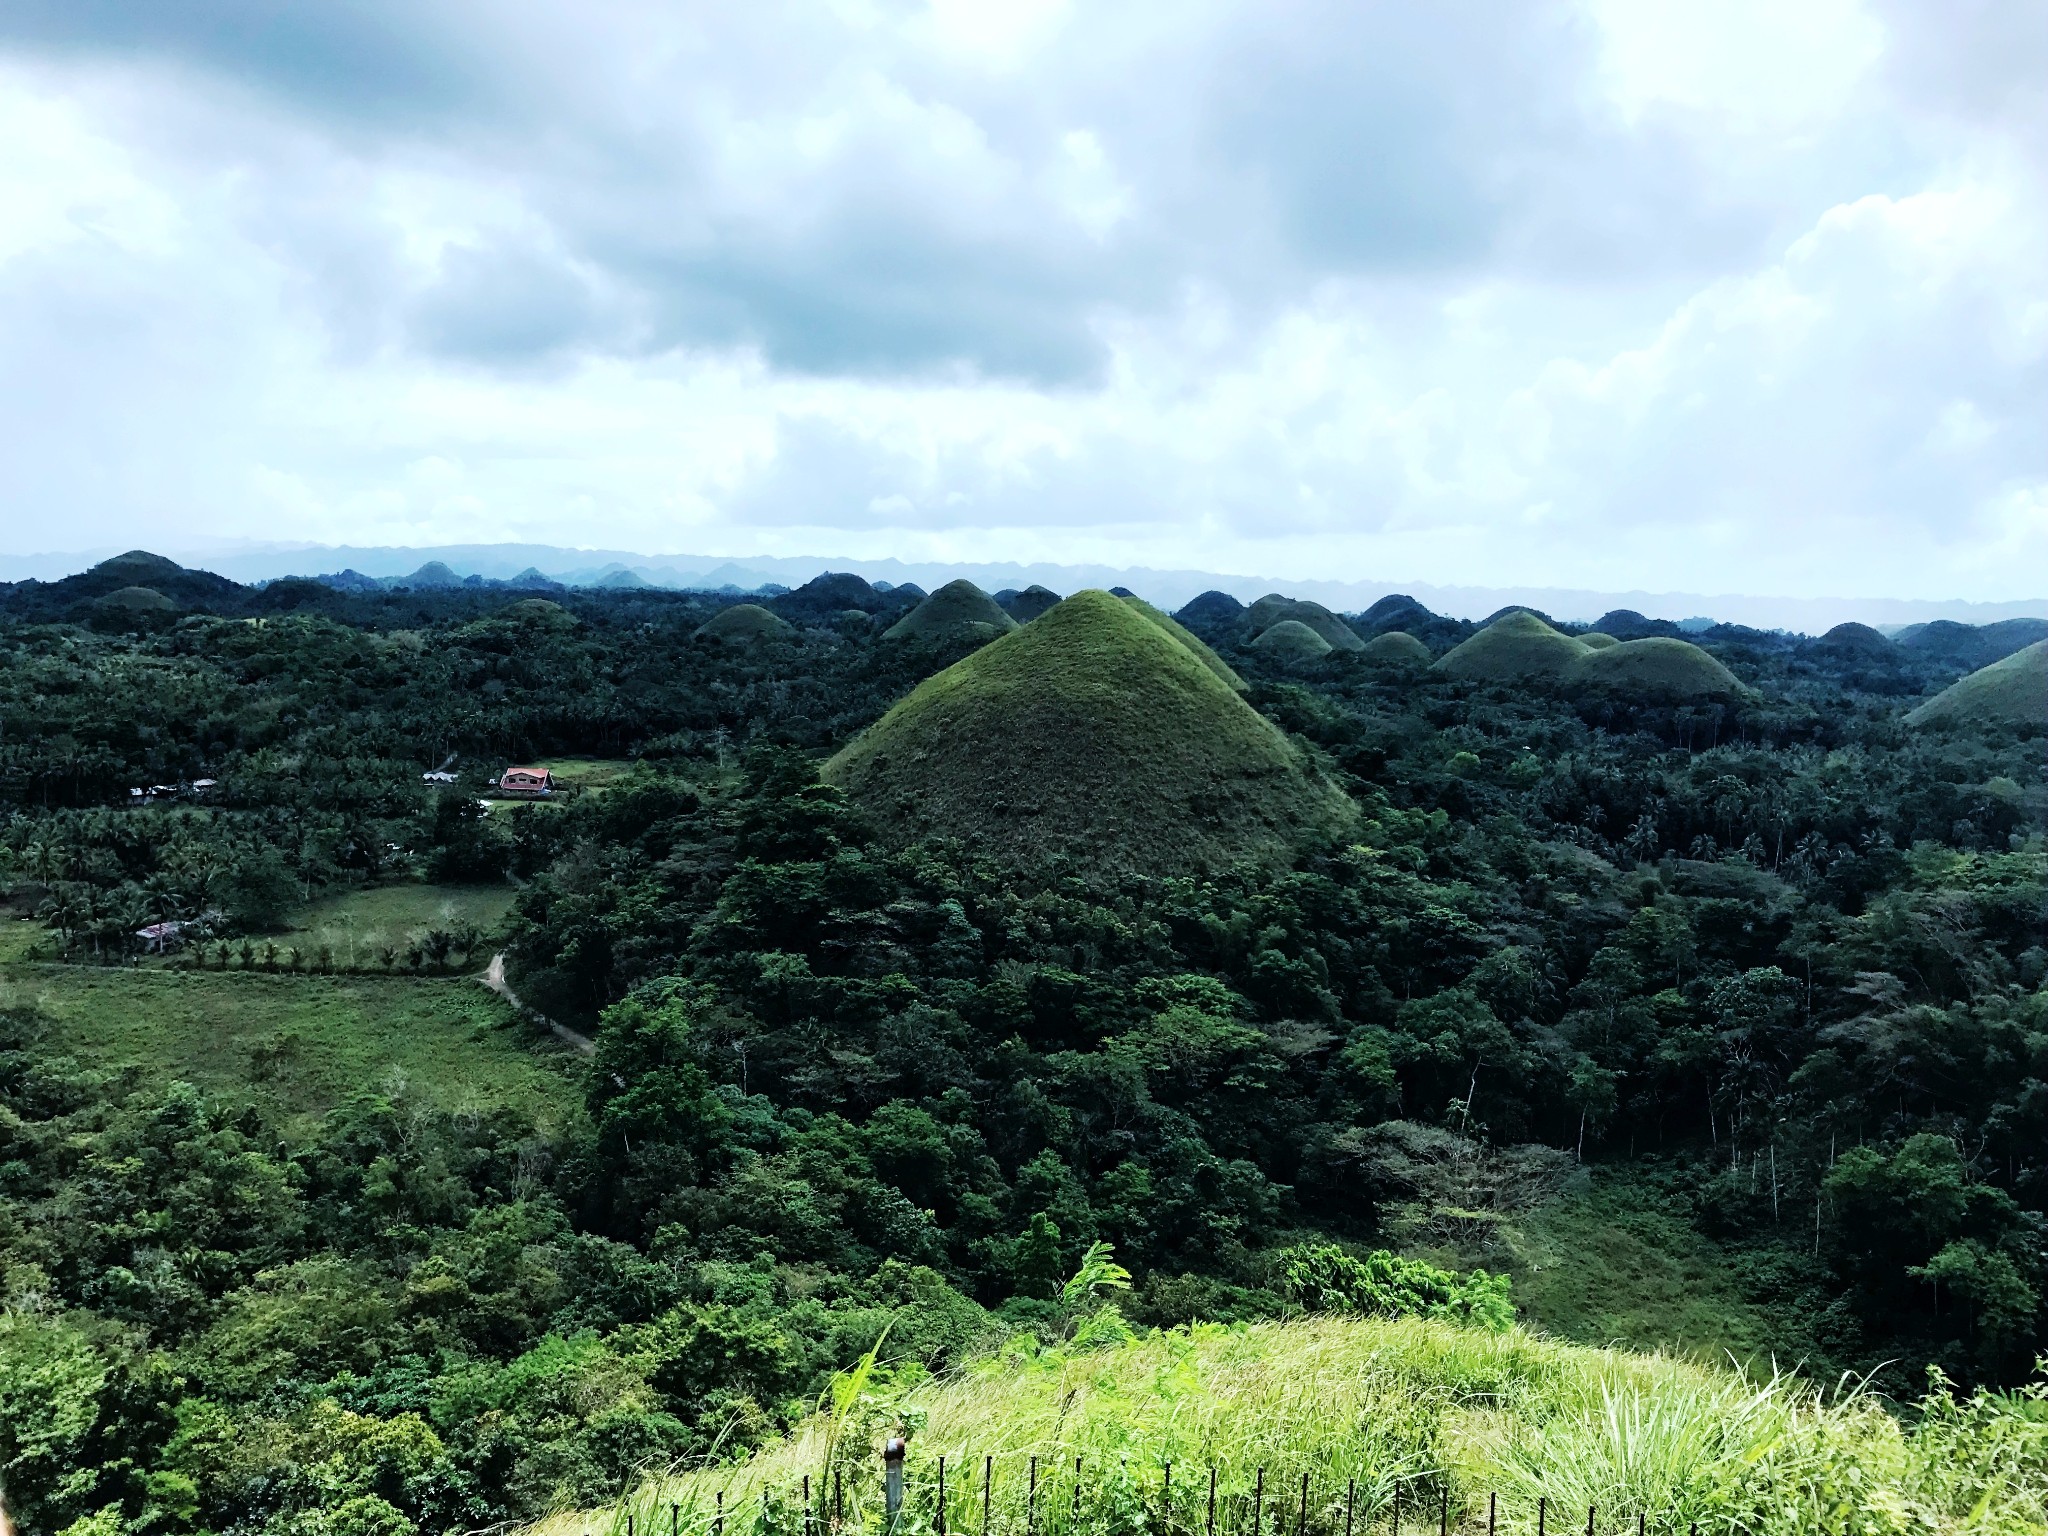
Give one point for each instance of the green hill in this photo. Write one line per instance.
(1291, 637)
(2013, 691)
(957, 611)
(1029, 604)
(1332, 1421)
(1658, 668)
(1514, 647)
(541, 611)
(1273, 609)
(1191, 640)
(138, 600)
(1595, 640)
(1095, 734)
(1396, 648)
(1857, 640)
(742, 624)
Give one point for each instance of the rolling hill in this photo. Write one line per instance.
(958, 611)
(1095, 735)
(1395, 648)
(1659, 668)
(1513, 648)
(2013, 691)
(743, 624)
(1291, 637)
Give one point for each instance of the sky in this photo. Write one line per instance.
(1728, 296)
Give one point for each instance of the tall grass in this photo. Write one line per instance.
(1381, 1416)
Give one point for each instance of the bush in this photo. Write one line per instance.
(1321, 1277)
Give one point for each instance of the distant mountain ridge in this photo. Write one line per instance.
(485, 565)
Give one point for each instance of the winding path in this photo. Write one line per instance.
(494, 978)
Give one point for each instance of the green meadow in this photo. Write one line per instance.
(300, 1043)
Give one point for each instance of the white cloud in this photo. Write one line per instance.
(1726, 297)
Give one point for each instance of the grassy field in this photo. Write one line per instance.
(302, 1043)
(1610, 1265)
(591, 774)
(1330, 1423)
(394, 911)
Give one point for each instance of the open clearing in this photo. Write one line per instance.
(397, 910)
(304, 1043)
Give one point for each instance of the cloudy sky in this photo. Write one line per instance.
(1715, 295)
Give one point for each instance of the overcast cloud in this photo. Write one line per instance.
(1737, 295)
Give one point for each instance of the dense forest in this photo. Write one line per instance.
(1762, 943)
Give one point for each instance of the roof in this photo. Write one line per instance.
(534, 773)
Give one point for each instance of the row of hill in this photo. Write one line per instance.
(1625, 654)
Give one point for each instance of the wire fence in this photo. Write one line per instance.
(1046, 1496)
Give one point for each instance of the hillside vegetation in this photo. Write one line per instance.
(1655, 668)
(957, 611)
(1094, 735)
(2014, 690)
(1516, 646)
(744, 623)
(1291, 637)
(1335, 1421)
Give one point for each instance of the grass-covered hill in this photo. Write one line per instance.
(1395, 648)
(1092, 734)
(1856, 640)
(2012, 691)
(958, 611)
(1514, 647)
(1334, 1422)
(1274, 609)
(1594, 639)
(1028, 604)
(1194, 642)
(1658, 668)
(1212, 610)
(744, 623)
(1292, 638)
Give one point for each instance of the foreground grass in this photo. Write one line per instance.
(1371, 1413)
(301, 1043)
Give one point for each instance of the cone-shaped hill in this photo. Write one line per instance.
(957, 611)
(1395, 648)
(2013, 691)
(1191, 640)
(138, 600)
(1853, 639)
(1593, 640)
(1292, 638)
(743, 624)
(1512, 648)
(1659, 668)
(1274, 609)
(1092, 733)
(1212, 610)
(1029, 604)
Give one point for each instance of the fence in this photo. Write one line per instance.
(1044, 1496)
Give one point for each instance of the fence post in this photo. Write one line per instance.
(1350, 1499)
(892, 1479)
(1212, 1499)
(1542, 1513)
(1258, 1501)
(1301, 1524)
(718, 1514)
(807, 1506)
(675, 1514)
(1031, 1499)
(1589, 1520)
(942, 1496)
(1443, 1525)
(988, 1477)
(1074, 1517)
(1492, 1507)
